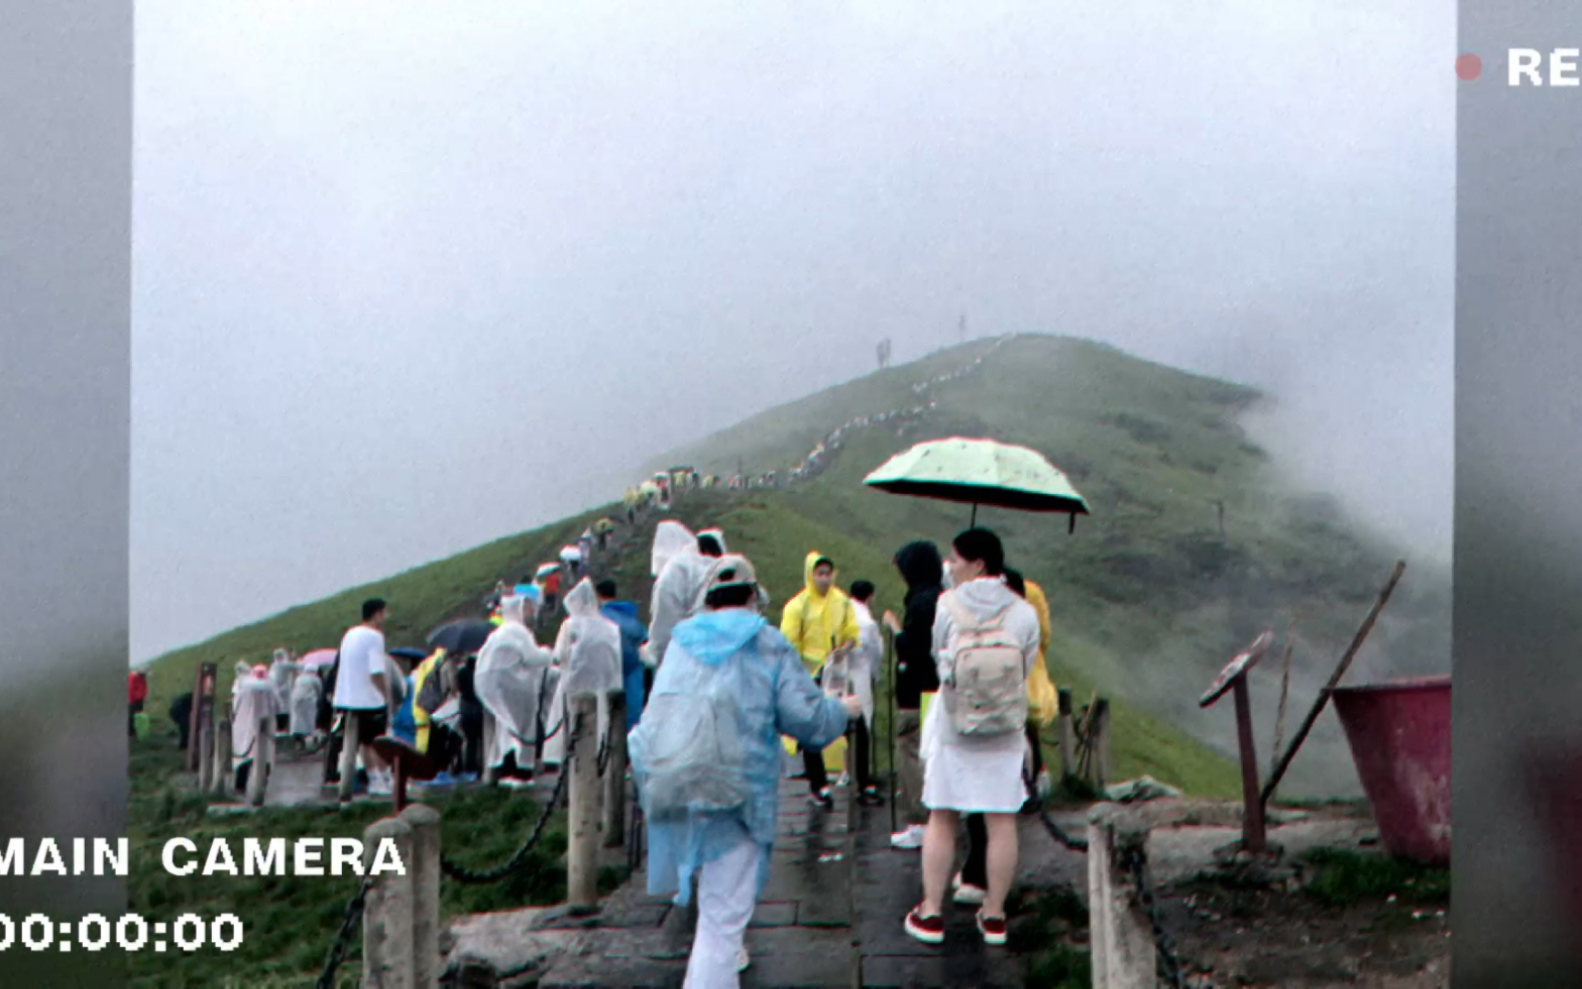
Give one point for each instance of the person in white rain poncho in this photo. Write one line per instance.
(588, 653)
(306, 694)
(509, 682)
(680, 571)
(863, 670)
(283, 674)
(706, 760)
(255, 700)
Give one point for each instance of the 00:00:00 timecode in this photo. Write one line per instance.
(131, 932)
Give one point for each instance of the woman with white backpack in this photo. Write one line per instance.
(986, 640)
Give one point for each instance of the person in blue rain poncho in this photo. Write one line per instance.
(706, 760)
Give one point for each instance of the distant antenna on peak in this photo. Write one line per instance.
(962, 327)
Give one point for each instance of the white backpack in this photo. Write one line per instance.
(986, 694)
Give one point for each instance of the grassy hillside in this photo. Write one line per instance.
(1149, 599)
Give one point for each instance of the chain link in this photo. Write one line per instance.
(1169, 966)
(471, 878)
(1055, 831)
(343, 940)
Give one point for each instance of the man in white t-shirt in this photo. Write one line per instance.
(361, 689)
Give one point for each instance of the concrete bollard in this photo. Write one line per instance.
(425, 872)
(1068, 736)
(491, 774)
(220, 783)
(614, 823)
(350, 741)
(263, 755)
(387, 912)
(1124, 954)
(582, 847)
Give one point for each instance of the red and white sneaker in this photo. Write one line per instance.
(929, 930)
(992, 928)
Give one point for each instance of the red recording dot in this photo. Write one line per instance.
(1469, 67)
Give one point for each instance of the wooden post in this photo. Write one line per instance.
(349, 744)
(1329, 688)
(1068, 736)
(582, 848)
(387, 912)
(220, 782)
(614, 825)
(425, 871)
(205, 744)
(1101, 744)
(263, 754)
(1252, 829)
(490, 774)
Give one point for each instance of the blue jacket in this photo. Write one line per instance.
(633, 633)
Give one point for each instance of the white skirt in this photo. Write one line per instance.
(971, 775)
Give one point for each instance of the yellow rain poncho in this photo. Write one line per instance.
(1042, 701)
(817, 623)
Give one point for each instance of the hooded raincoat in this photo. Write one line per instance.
(283, 674)
(680, 571)
(920, 566)
(976, 775)
(509, 683)
(633, 634)
(256, 699)
(817, 623)
(866, 660)
(774, 696)
(588, 652)
(305, 696)
(1042, 698)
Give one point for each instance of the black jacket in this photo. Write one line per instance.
(915, 673)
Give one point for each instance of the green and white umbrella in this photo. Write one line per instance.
(980, 472)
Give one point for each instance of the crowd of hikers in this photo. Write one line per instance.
(721, 704)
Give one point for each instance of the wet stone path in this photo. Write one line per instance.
(830, 916)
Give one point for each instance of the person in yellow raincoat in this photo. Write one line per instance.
(819, 621)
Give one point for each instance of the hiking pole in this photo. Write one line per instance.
(889, 668)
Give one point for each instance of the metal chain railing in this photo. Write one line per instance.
(1055, 831)
(473, 878)
(343, 940)
(1169, 966)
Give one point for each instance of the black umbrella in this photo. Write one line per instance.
(402, 652)
(460, 637)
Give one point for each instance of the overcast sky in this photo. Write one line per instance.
(409, 277)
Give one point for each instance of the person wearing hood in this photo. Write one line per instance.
(972, 764)
(254, 699)
(865, 664)
(970, 885)
(283, 674)
(588, 654)
(920, 565)
(509, 679)
(706, 760)
(680, 568)
(633, 634)
(819, 622)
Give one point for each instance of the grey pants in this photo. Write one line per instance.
(909, 767)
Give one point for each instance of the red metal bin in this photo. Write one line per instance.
(1399, 732)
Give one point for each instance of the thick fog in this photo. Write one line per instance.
(411, 277)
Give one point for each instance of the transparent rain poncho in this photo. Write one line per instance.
(680, 574)
(283, 674)
(729, 687)
(305, 695)
(256, 700)
(509, 682)
(588, 654)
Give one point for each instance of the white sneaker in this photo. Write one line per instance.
(911, 837)
(967, 894)
(743, 959)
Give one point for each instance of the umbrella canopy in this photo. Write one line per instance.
(546, 569)
(979, 472)
(461, 637)
(403, 652)
(317, 658)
